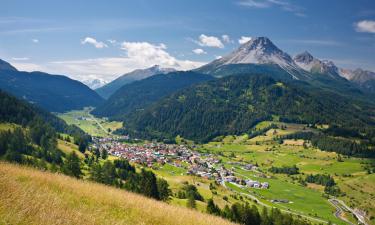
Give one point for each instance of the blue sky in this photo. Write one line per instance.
(104, 39)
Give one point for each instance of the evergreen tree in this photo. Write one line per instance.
(104, 154)
(191, 202)
(163, 189)
(72, 166)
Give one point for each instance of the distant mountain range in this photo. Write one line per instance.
(107, 90)
(54, 93)
(94, 83)
(136, 96)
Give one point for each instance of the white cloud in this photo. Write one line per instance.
(244, 39)
(199, 51)
(24, 66)
(255, 3)
(282, 4)
(218, 56)
(316, 42)
(226, 38)
(35, 40)
(210, 41)
(112, 41)
(20, 58)
(367, 26)
(92, 41)
(138, 55)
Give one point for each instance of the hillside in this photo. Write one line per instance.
(234, 104)
(140, 94)
(107, 90)
(58, 199)
(13, 110)
(54, 93)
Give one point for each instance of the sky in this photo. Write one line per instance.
(104, 39)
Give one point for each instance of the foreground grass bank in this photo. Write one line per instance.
(29, 196)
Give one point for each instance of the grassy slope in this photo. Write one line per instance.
(29, 196)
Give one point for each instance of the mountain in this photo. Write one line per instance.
(94, 83)
(107, 90)
(261, 56)
(258, 51)
(307, 62)
(140, 94)
(54, 93)
(363, 78)
(234, 104)
(6, 66)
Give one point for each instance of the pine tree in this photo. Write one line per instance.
(72, 166)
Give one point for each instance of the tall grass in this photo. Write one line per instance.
(28, 196)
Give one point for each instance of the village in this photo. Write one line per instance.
(155, 154)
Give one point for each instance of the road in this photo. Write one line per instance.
(338, 204)
(339, 207)
(96, 121)
(268, 206)
(339, 211)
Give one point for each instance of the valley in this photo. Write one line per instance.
(239, 155)
(247, 112)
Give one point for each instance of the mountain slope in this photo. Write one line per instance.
(13, 110)
(363, 78)
(140, 94)
(107, 90)
(260, 55)
(307, 62)
(233, 104)
(258, 51)
(52, 92)
(94, 83)
(29, 196)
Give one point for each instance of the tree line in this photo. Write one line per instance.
(249, 215)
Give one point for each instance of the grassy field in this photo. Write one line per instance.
(57, 199)
(90, 124)
(350, 174)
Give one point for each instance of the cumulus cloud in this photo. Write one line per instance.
(199, 51)
(244, 39)
(367, 26)
(137, 55)
(210, 41)
(35, 41)
(94, 42)
(226, 38)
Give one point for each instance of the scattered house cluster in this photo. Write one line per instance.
(280, 200)
(198, 164)
(257, 184)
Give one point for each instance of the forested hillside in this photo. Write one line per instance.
(140, 94)
(234, 104)
(52, 92)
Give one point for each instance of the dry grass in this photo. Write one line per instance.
(29, 196)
